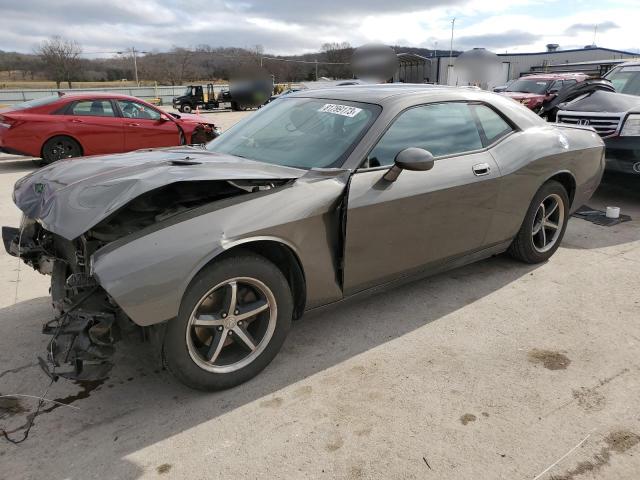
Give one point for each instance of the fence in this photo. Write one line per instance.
(166, 94)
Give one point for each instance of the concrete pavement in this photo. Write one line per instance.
(494, 370)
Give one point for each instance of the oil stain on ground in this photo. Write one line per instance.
(86, 389)
(618, 441)
(10, 406)
(164, 468)
(549, 359)
(467, 417)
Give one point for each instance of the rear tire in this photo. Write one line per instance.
(544, 225)
(59, 148)
(218, 341)
(186, 108)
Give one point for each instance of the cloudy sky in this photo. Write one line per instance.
(298, 26)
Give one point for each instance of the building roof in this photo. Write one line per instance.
(556, 52)
(412, 57)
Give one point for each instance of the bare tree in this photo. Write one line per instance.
(61, 58)
(337, 53)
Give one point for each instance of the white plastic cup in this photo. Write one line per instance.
(613, 212)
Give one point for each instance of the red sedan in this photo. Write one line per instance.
(74, 125)
(534, 90)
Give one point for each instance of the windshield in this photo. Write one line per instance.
(529, 86)
(625, 79)
(38, 102)
(299, 132)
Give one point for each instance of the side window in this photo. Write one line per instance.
(441, 128)
(131, 109)
(569, 83)
(492, 124)
(93, 108)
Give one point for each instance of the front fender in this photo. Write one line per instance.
(148, 273)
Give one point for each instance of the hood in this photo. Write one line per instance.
(603, 102)
(521, 95)
(71, 196)
(192, 118)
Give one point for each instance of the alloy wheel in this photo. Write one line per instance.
(231, 325)
(547, 223)
(63, 149)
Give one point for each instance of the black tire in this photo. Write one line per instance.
(185, 108)
(178, 349)
(60, 147)
(526, 246)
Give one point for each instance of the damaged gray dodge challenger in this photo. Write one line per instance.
(213, 250)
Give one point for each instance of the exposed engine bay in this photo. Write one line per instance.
(89, 322)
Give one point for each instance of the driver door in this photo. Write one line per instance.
(423, 218)
(144, 127)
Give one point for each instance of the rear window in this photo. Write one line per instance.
(36, 102)
(93, 108)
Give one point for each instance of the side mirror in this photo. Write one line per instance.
(416, 159)
(553, 91)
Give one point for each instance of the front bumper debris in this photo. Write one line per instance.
(83, 341)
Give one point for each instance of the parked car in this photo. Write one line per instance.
(615, 116)
(73, 125)
(534, 90)
(502, 88)
(319, 196)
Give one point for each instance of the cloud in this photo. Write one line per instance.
(299, 26)
(589, 27)
(511, 38)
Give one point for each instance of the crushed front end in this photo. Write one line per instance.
(87, 323)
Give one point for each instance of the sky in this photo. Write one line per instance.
(300, 26)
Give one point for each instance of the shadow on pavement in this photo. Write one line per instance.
(141, 404)
(21, 165)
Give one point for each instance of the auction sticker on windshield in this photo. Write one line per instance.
(344, 110)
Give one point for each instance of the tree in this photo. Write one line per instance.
(61, 58)
(337, 53)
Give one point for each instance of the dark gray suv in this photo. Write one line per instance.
(615, 116)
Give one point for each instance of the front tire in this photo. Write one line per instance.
(233, 320)
(544, 225)
(185, 108)
(59, 148)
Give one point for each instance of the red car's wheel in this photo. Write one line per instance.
(60, 147)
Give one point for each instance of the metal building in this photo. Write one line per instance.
(413, 68)
(516, 64)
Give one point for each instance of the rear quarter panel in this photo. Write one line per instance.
(530, 157)
(30, 133)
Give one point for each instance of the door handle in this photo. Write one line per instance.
(133, 124)
(481, 169)
(75, 120)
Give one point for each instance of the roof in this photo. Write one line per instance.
(556, 52)
(97, 95)
(378, 93)
(412, 57)
(555, 76)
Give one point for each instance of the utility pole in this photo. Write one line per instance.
(134, 54)
(449, 68)
(316, 69)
